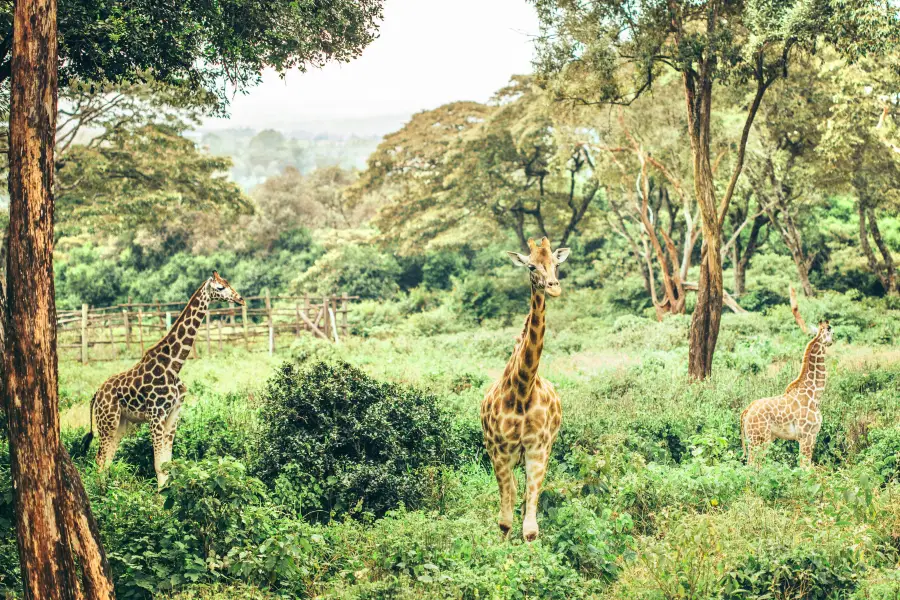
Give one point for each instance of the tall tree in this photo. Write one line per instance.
(197, 44)
(201, 44)
(514, 165)
(612, 51)
(59, 546)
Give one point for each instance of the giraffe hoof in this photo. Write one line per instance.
(530, 532)
(504, 530)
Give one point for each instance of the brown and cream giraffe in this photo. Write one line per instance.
(151, 392)
(521, 412)
(795, 414)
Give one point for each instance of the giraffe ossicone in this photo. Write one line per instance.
(151, 391)
(795, 414)
(521, 412)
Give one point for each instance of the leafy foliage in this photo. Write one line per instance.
(347, 442)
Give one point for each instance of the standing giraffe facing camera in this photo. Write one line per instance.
(521, 412)
(795, 414)
(150, 391)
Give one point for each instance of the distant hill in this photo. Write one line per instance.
(304, 145)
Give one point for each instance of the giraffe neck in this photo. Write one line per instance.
(523, 365)
(812, 373)
(174, 348)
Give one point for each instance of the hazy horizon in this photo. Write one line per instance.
(412, 66)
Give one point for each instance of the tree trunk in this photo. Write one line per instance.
(740, 273)
(708, 310)
(885, 272)
(59, 550)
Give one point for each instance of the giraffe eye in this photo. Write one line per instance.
(532, 267)
(219, 286)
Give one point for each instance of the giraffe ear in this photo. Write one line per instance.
(520, 260)
(561, 255)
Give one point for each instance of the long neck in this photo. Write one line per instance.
(812, 372)
(523, 365)
(173, 349)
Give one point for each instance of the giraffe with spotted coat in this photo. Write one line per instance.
(151, 391)
(521, 412)
(794, 415)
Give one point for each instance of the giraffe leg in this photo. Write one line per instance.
(807, 444)
(158, 437)
(757, 445)
(535, 469)
(169, 427)
(110, 428)
(506, 481)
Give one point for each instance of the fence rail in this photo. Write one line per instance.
(111, 332)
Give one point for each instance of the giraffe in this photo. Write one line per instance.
(150, 391)
(795, 414)
(521, 412)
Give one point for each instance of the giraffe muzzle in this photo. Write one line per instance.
(553, 288)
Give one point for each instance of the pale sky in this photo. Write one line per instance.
(429, 52)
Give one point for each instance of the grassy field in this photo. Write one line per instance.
(647, 495)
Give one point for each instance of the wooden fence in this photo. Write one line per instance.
(263, 323)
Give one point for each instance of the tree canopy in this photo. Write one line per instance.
(215, 46)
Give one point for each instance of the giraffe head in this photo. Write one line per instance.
(220, 289)
(824, 333)
(543, 264)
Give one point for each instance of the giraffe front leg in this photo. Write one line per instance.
(807, 444)
(535, 469)
(110, 428)
(506, 481)
(158, 437)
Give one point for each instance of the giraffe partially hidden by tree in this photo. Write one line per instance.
(795, 414)
(521, 412)
(151, 391)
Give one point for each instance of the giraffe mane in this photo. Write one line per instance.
(183, 310)
(804, 365)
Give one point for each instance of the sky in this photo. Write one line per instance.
(429, 52)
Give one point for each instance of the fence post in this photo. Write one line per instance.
(306, 304)
(299, 320)
(325, 310)
(231, 313)
(141, 328)
(84, 332)
(219, 324)
(271, 324)
(168, 320)
(159, 311)
(208, 341)
(345, 324)
(127, 330)
(246, 331)
(112, 339)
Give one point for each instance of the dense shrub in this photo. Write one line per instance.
(216, 524)
(343, 440)
(86, 277)
(360, 271)
(440, 267)
(810, 572)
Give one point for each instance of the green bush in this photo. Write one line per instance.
(215, 524)
(85, 277)
(809, 572)
(440, 267)
(360, 271)
(347, 442)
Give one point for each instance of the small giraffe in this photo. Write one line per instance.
(795, 414)
(521, 412)
(151, 391)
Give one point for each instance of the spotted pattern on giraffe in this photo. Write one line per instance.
(521, 412)
(151, 391)
(794, 415)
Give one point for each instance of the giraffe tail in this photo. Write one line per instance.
(85, 444)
